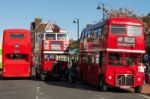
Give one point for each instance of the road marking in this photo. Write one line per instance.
(96, 95)
(41, 93)
(36, 97)
(148, 97)
(38, 89)
(102, 98)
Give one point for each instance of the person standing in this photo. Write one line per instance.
(73, 72)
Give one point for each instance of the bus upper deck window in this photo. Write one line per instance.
(118, 29)
(134, 30)
(16, 36)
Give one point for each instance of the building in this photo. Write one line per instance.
(37, 26)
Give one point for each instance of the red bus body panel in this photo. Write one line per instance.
(20, 66)
(91, 72)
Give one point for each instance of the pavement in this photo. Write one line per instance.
(146, 89)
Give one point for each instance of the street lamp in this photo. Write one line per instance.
(76, 20)
(101, 7)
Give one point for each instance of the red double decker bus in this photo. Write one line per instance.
(16, 53)
(111, 54)
(51, 53)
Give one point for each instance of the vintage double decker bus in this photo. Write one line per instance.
(16, 53)
(51, 52)
(111, 54)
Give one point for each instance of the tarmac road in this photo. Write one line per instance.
(33, 89)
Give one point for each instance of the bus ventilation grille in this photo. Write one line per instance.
(125, 80)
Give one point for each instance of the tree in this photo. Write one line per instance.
(74, 44)
(146, 20)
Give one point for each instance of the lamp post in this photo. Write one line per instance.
(101, 7)
(76, 20)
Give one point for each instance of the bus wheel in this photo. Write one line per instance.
(102, 85)
(43, 77)
(138, 89)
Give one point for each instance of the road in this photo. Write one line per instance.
(33, 89)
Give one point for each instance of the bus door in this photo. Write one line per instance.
(102, 61)
(91, 68)
(96, 68)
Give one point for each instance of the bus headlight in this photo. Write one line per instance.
(139, 79)
(4, 70)
(109, 77)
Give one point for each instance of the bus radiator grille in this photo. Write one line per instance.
(125, 80)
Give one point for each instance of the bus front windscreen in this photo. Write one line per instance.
(50, 36)
(118, 59)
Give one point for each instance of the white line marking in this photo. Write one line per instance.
(37, 97)
(102, 98)
(148, 97)
(41, 93)
(96, 95)
(38, 89)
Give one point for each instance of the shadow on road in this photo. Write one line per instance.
(83, 86)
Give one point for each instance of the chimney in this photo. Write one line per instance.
(37, 22)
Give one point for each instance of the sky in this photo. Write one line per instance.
(20, 13)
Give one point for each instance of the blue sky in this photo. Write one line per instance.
(20, 13)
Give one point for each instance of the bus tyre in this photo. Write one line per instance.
(102, 85)
(138, 89)
(43, 77)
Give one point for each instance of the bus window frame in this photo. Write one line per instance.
(10, 36)
(125, 28)
(105, 31)
(102, 58)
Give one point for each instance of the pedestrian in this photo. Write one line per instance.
(73, 72)
(147, 73)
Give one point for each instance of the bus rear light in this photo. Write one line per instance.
(110, 77)
(139, 79)
(29, 69)
(4, 70)
(48, 68)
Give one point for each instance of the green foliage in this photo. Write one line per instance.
(0, 51)
(121, 12)
(0, 65)
(74, 44)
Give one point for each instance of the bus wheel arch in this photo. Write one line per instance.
(138, 89)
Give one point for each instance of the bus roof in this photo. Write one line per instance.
(121, 20)
(11, 30)
(124, 20)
